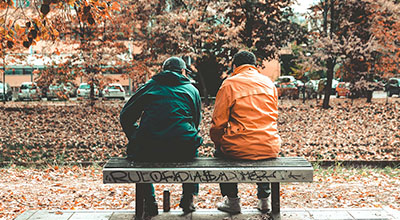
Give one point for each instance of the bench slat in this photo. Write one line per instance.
(209, 170)
(200, 162)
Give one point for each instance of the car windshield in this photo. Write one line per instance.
(284, 80)
(393, 81)
(53, 87)
(1, 86)
(113, 87)
(86, 86)
(27, 86)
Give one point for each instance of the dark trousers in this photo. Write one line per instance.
(231, 190)
(188, 189)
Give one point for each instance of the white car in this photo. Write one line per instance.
(114, 91)
(312, 84)
(29, 90)
(84, 90)
(5, 92)
(57, 92)
(334, 84)
(287, 79)
(311, 88)
(290, 79)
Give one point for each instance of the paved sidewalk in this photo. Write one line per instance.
(213, 214)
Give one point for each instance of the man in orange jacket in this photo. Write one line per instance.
(244, 124)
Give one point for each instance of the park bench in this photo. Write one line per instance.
(208, 170)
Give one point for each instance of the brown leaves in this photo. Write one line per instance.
(368, 132)
(50, 133)
(82, 189)
(346, 132)
(76, 133)
(41, 21)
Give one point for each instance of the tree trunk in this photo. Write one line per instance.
(204, 88)
(91, 91)
(369, 96)
(4, 79)
(328, 86)
(331, 61)
(4, 82)
(91, 83)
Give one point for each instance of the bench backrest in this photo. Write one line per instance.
(209, 170)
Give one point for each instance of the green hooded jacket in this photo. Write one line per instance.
(169, 108)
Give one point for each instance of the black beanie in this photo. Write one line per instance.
(244, 57)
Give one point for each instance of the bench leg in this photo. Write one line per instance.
(139, 202)
(275, 200)
(166, 201)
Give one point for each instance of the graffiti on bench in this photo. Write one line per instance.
(206, 176)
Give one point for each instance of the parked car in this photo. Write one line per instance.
(57, 92)
(5, 92)
(334, 84)
(84, 90)
(343, 89)
(114, 91)
(286, 79)
(290, 79)
(393, 87)
(71, 89)
(311, 88)
(289, 90)
(30, 91)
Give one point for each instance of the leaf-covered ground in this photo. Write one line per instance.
(75, 132)
(77, 188)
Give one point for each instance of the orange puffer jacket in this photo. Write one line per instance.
(244, 122)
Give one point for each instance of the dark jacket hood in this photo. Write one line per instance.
(170, 78)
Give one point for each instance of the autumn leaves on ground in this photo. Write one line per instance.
(55, 134)
(75, 132)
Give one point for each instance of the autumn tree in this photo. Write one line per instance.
(385, 27)
(208, 33)
(86, 26)
(19, 26)
(377, 25)
(350, 34)
(340, 35)
(25, 24)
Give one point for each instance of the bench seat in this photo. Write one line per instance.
(209, 170)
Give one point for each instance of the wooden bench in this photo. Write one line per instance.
(209, 170)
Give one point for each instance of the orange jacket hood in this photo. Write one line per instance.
(244, 122)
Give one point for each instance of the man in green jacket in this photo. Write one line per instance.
(169, 108)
